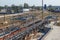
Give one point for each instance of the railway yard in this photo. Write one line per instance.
(25, 26)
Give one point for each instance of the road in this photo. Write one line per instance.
(54, 34)
(11, 15)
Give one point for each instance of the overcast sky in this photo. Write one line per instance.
(30, 2)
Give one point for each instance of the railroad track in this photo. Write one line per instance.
(27, 30)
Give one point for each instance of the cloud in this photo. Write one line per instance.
(30, 2)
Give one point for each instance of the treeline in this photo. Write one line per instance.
(14, 7)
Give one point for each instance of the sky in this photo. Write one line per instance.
(30, 2)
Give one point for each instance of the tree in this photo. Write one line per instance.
(50, 8)
(15, 8)
(26, 5)
(6, 6)
(38, 7)
(1, 8)
(20, 8)
(33, 7)
(50, 5)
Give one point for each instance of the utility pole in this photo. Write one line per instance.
(42, 9)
